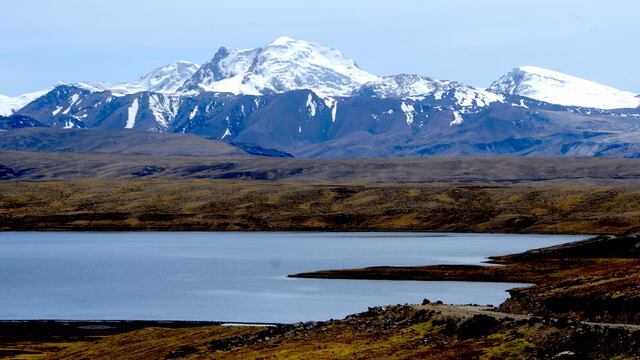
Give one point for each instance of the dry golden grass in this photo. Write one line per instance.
(186, 204)
(398, 332)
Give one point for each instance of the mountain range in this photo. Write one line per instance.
(306, 99)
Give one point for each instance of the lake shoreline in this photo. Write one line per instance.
(537, 322)
(233, 277)
(416, 331)
(599, 266)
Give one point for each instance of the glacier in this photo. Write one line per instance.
(562, 89)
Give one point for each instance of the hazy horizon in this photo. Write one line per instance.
(472, 42)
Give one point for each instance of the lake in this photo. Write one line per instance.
(233, 277)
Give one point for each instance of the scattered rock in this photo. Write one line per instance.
(148, 171)
(228, 343)
(182, 352)
(477, 326)
(565, 355)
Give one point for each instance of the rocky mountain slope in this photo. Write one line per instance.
(309, 100)
(115, 141)
(283, 65)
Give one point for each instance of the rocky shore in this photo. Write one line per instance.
(584, 304)
(429, 331)
(593, 280)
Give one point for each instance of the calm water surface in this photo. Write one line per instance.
(232, 276)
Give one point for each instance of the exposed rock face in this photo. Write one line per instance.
(454, 120)
(309, 100)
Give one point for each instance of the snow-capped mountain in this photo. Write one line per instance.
(283, 65)
(304, 124)
(307, 99)
(164, 80)
(11, 104)
(562, 89)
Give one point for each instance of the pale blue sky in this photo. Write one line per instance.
(45, 41)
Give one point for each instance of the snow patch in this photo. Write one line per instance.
(408, 110)
(468, 97)
(164, 109)
(74, 99)
(193, 113)
(457, 119)
(311, 105)
(227, 132)
(69, 124)
(333, 105)
(132, 113)
(522, 104)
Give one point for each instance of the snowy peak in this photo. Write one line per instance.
(11, 104)
(288, 64)
(283, 65)
(282, 41)
(562, 89)
(228, 63)
(224, 73)
(166, 79)
(169, 78)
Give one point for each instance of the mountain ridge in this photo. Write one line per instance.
(284, 98)
(562, 89)
(288, 64)
(283, 65)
